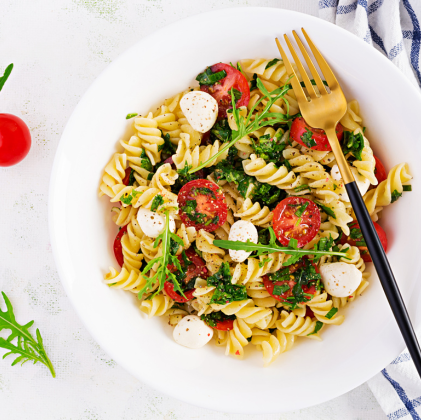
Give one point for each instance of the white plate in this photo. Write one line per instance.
(157, 67)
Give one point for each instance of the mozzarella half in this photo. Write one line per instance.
(152, 224)
(200, 109)
(192, 332)
(242, 231)
(340, 279)
(362, 182)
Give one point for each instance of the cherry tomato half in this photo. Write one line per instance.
(118, 249)
(226, 325)
(169, 289)
(221, 90)
(299, 128)
(202, 205)
(291, 220)
(270, 285)
(380, 171)
(126, 179)
(15, 139)
(357, 239)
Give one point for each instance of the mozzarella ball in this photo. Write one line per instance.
(152, 224)
(340, 279)
(200, 109)
(335, 173)
(362, 182)
(192, 332)
(242, 231)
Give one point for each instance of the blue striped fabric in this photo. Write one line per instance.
(393, 28)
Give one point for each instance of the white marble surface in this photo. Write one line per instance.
(59, 47)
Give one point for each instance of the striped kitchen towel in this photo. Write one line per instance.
(393, 28)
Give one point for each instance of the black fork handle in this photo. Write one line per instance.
(385, 273)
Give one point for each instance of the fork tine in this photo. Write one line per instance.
(301, 69)
(324, 67)
(311, 66)
(296, 86)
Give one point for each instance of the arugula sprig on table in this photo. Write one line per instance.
(246, 126)
(261, 249)
(170, 244)
(27, 347)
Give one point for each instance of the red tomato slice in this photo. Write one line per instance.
(270, 285)
(15, 139)
(118, 249)
(126, 179)
(221, 90)
(380, 171)
(363, 249)
(202, 205)
(287, 225)
(299, 127)
(225, 325)
(169, 289)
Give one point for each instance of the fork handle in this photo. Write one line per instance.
(385, 273)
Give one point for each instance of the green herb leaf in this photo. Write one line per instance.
(128, 116)
(127, 198)
(307, 138)
(253, 82)
(157, 201)
(395, 195)
(6, 75)
(301, 187)
(353, 143)
(272, 63)
(326, 209)
(317, 328)
(331, 313)
(210, 78)
(279, 290)
(27, 347)
(237, 95)
(221, 131)
(301, 209)
(407, 187)
(214, 318)
(313, 82)
(262, 263)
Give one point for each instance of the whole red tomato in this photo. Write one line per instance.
(15, 140)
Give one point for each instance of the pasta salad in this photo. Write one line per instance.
(234, 221)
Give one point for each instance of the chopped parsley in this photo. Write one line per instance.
(395, 195)
(331, 313)
(272, 63)
(184, 177)
(210, 78)
(128, 116)
(221, 131)
(190, 211)
(313, 82)
(237, 94)
(253, 82)
(156, 202)
(302, 209)
(407, 187)
(317, 328)
(307, 138)
(127, 198)
(353, 143)
(324, 244)
(168, 149)
(132, 178)
(279, 290)
(214, 318)
(301, 187)
(225, 291)
(203, 191)
(270, 149)
(145, 162)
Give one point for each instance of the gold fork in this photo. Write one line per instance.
(323, 110)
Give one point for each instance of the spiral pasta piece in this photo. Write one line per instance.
(150, 137)
(236, 339)
(114, 173)
(352, 120)
(134, 151)
(321, 305)
(254, 213)
(276, 72)
(123, 215)
(157, 306)
(130, 281)
(289, 323)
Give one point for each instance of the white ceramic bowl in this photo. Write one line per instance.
(82, 233)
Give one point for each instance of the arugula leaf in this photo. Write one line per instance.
(157, 201)
(331, 313)
(127, 198)
(353, 143)
(240, 69)
(6, 75)
(317, 328)
(221, 131)
(253, 82)
(128, 116)
(163, 274)
(326, 209)
(210, 78)
(26, 348)
(395, 195)
(272, 63)
(262, 249)
(307, 138)
(245, 125)
(265, 260)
